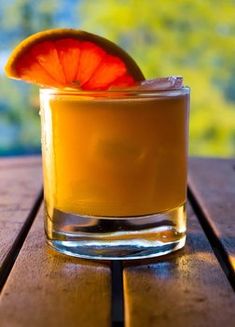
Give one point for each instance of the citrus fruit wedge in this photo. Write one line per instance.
(72, 58)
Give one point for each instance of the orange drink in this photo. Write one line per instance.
(114, 146)
(115, 168)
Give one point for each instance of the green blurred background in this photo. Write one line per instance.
(195, 39)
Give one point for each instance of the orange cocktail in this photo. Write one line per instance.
(114, 146)
(116, 155)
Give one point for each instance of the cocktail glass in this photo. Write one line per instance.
(115, 171)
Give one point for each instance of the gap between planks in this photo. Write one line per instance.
(117, 309)
(212, 193)
(214, 241)
(19, 241)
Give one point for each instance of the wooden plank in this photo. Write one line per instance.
(212, 182)
(49, 289)
(23, 161)
(20, 185)
(187, 288)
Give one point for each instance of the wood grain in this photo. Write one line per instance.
(49, 289)
(187, 288)
(20, 184)
(212, 182)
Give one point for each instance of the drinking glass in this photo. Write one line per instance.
(115, 171)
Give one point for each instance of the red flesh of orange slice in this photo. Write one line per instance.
(72, 58)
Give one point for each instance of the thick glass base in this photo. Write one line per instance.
(117, 238)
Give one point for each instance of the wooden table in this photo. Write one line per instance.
(192, 287)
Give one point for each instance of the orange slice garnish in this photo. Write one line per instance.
(72, 58)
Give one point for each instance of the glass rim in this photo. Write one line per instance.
(124, 92)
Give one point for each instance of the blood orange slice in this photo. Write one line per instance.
(72, 58)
